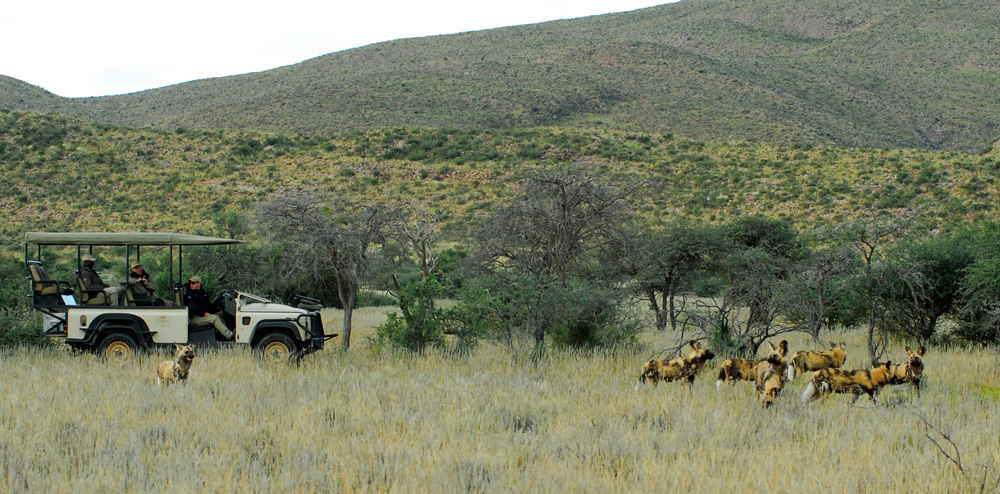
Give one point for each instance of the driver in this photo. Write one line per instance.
(200, 308)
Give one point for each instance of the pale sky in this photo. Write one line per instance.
(80, 48)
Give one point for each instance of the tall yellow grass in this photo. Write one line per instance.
(370, 421)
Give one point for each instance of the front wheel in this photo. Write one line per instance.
(118, 347)
(278, 348)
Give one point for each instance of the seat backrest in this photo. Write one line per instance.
(90, 297)
(42, 284)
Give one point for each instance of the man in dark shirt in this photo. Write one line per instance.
(93, 282)
(200, 309)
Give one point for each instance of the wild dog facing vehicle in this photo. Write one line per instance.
(678, 368)
(769, 374)
(911, 371)
(860, 381)
(814, 360)
(178, 369)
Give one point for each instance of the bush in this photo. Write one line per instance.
(21, 326)
(420, 323)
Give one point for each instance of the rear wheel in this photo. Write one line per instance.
(118, 347)
(278, 348)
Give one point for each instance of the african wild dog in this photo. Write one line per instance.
(911, 371)
(740, 369)
(860, 381)
(769, 374)
(735, 369)
(814, 360)
(178, 369)
(678, 368)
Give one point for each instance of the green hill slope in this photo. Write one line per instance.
(67, 174)
(886, 74)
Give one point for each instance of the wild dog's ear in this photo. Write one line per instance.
(773, 348)
(843, 345)
(783, 346)
(888, 365)
(178, 346)
(920, 351)
(192, 344)
(695, 345)
(833, 344)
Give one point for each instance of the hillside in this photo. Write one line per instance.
(881, 74)
(68, 174)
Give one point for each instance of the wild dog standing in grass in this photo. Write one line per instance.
(678, 368)
(736, 369)
(911, 371)
(178, 369)
(814, 360)
(828, 381)
(769, 374)
(741, 369)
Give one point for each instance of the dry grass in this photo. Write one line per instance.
(363, 421)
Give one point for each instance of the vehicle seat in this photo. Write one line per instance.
(44, 289)
(90, 297)
(132, 300)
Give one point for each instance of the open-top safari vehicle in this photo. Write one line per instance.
(85, 320)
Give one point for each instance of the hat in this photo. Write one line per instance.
(194, 279)
(88, 257)
(135, 264)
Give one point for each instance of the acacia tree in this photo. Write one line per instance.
(812, 285)
(551, 232)
(327, 239)
(871, 237)
(926, 284)
(661, 263)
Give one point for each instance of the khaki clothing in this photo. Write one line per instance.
(93, 283)
(213, 320)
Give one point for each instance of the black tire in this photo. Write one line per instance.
(278, 348)
(118, 347)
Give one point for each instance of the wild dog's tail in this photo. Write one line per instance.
(811, 392)
(722, 377)
(642, 375)
(790, 371)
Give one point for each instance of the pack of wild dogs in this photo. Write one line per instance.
(770, 374)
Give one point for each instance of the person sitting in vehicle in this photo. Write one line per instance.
(200, 309)
(93, 282)
(142, 285)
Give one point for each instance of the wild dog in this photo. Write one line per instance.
(178, 369)
(678, 368)
(814, 360)
(860, 381)
(769, 374)
(736, 369)
(739, 369)
(911, 371)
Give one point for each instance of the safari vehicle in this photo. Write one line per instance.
(85, 321)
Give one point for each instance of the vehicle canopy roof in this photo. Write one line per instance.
(122, 238)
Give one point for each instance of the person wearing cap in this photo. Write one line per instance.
(141, 284)
(201, 312)
(93, 282)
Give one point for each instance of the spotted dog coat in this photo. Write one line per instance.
(178, 369)
(736, 369)
(678, 368)
(769, 374)
(911, 371)
(814, 360)
(857, 382)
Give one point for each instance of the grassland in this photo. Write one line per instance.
(372, 421)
